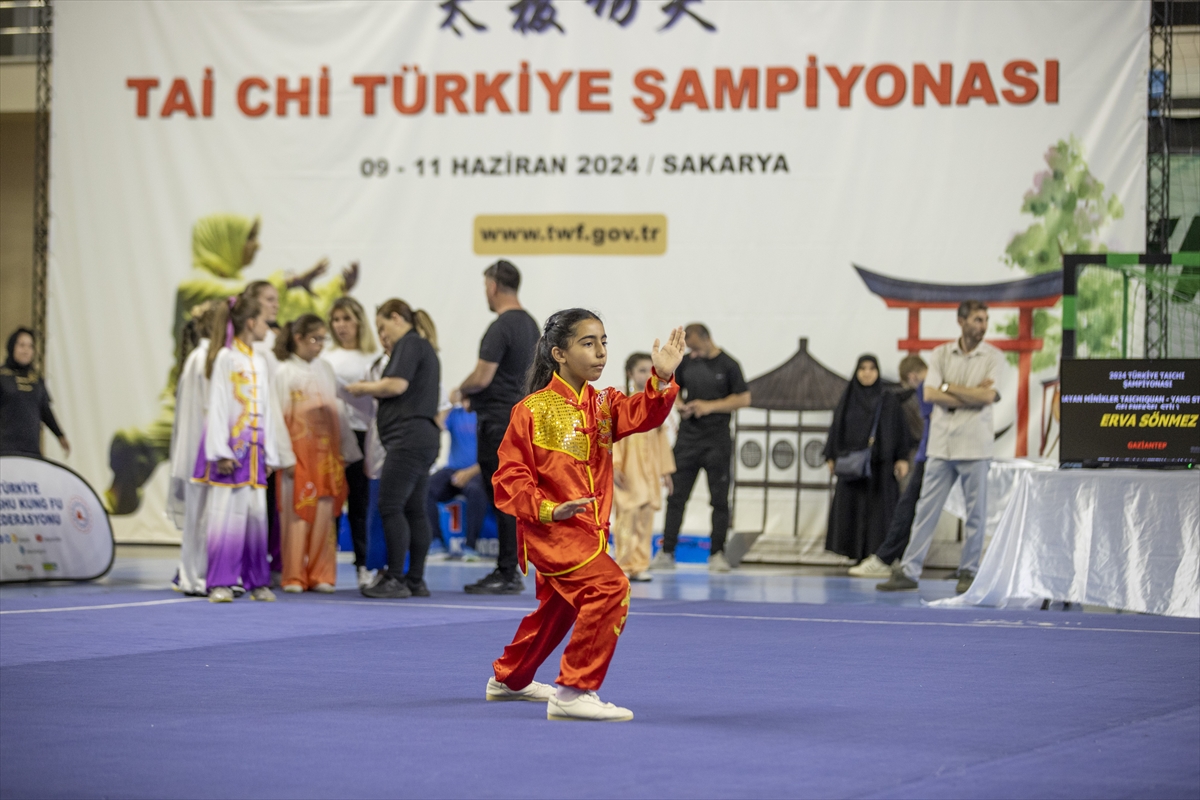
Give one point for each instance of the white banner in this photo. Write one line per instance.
(52, 525)
(753, 151)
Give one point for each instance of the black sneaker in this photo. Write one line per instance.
(965, 579)
(496, 583)
(418, 588)
(388, 587)
(899, 582)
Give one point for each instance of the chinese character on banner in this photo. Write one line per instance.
(677, 8)
(621, 12)
(534, 15)
(453, 12)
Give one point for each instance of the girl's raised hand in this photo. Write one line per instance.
(666, 358)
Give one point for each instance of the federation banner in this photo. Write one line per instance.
(52, 525)
(661, 162)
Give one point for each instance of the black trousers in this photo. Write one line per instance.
(357, 503)
(902, 518)
(403, 485)
(489, 434)
(692, 454)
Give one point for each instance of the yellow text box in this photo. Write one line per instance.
(571, 234)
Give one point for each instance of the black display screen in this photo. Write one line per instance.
(1132, 412)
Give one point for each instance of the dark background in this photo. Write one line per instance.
(1084, 440)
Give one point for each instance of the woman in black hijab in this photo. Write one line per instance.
(862, 509)
(24, 401)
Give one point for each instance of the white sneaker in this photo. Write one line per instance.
(263, 593)
(365, 576)
(663, 562)
(324, 588)
(587, 706)
(718, 563)
(294, 588)
(220, 594)
(534, 692)
(641, 577)
(871, 567)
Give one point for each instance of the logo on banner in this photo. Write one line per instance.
(81, 518)
(541, 16)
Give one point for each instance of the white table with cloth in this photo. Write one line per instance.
(1125, 539)
(1001, 480)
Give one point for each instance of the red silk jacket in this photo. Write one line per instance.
(559, 447)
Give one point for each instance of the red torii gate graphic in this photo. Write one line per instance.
(1040, 291)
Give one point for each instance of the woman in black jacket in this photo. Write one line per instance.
(862, 507)
(407, 422)
(24, 401)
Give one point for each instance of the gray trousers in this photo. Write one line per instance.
(939, 479)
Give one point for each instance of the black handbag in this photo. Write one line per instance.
(856, 465)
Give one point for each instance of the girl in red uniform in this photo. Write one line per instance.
(555, 477)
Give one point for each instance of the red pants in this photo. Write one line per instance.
(593, 598)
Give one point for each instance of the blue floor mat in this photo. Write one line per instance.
(338, 696)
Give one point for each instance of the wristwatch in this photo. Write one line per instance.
(944, 388)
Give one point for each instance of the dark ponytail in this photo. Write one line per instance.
(285, 341)
(630, 364)
(557, 332)
(236, 315)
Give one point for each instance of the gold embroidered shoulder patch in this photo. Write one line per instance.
(557, 425)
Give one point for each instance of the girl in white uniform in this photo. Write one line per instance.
(268, 299)
(239, 452)
(187, 500)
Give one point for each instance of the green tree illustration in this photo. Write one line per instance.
(1070, 210)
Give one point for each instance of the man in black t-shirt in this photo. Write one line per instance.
(712, 388)
(495, 386)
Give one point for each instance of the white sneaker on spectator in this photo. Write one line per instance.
(663, 562)
(293, 588)
(534, 692)
(365, 576)
(587, 707)
(718, 563)
(871, 567)
(324, 588)
(641, 577)
(220, 594)
(263, 593)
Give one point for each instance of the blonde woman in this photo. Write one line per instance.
(351, 353)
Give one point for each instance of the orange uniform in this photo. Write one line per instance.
(323, 444)
(558, 448)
